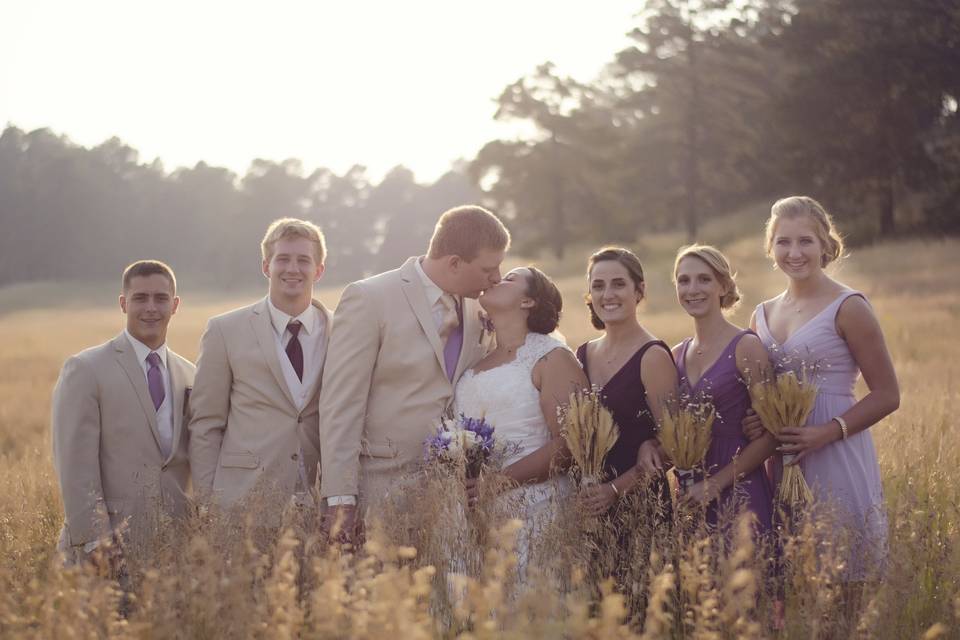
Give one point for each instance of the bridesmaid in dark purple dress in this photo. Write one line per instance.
(714, 364)
(634, 372)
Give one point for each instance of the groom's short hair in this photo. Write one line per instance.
(467, 230)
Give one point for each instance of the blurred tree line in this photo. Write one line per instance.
(70, 212)
(715, 105)
(719, 103)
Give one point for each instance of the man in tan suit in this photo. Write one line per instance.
(255, 423)
(401, 341)
(119, 434)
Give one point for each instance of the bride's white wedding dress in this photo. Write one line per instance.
(506, 398)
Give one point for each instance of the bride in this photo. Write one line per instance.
(518, 388)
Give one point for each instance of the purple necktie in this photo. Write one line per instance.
(294, 348)
(155, 380)
(451, 350)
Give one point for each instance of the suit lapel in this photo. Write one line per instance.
(412, 288)
(471, 336)
(177, 389)
(127, 358)
(327, 320)
(260, 320)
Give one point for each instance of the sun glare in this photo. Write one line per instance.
(333, 84)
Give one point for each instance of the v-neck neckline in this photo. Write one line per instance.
(713, 364)
(623, 367)
(802, 326)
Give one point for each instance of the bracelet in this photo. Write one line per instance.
(616, 491)
(843, 426)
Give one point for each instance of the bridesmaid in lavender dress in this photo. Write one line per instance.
(714, 364)
(820, 322)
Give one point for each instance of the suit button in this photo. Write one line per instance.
(299, 419)
(293, 457)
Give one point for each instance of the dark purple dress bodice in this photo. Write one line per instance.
(626, 398)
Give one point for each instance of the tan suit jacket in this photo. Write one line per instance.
(106, 446)
(246, 431)
(385, 387)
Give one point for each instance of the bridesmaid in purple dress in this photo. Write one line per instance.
(820, 322)
(634, 372)
(714, 364)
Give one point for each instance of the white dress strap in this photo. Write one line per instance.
(536, 346)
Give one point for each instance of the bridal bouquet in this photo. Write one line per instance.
(786, 401)
(590, 433)
(467, 441)
(685, 433)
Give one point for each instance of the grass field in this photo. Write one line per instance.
(914, 286)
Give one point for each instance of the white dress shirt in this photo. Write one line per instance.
(434, 297)
(165, 412)
(310, 336)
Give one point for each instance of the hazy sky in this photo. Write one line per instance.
(332, 83)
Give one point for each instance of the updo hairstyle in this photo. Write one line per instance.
(826, 231)
(720, 266)
(544, 316)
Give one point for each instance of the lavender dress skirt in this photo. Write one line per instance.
(844, 475)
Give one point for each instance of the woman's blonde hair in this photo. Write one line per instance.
(826, 231)
(720, 266)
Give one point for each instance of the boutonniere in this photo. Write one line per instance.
(487, 333)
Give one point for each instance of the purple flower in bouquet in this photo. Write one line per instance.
(468, 439)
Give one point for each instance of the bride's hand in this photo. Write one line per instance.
(597, 499)
(473, 490)
(487, 484)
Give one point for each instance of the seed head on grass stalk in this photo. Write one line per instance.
(589, 431)
(685, 432)
(783, 402)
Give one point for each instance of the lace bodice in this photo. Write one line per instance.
(506, 397)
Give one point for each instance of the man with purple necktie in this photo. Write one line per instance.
(400, 342)
(254, 432)
(119, 427)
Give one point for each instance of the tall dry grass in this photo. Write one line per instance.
(216, 577)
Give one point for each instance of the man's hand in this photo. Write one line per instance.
(752, 426)
(341, 525)
(107, 557)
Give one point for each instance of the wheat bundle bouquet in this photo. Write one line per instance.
(685, 434)
(783, 402)
(590, 433)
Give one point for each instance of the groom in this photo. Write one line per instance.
(400, 342)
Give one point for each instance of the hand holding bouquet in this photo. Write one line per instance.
(781, 403)
(590, 433)
(685, 434)
(463, 441)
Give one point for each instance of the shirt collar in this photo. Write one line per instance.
(434, 292)
(280, 320)
(143, 350)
